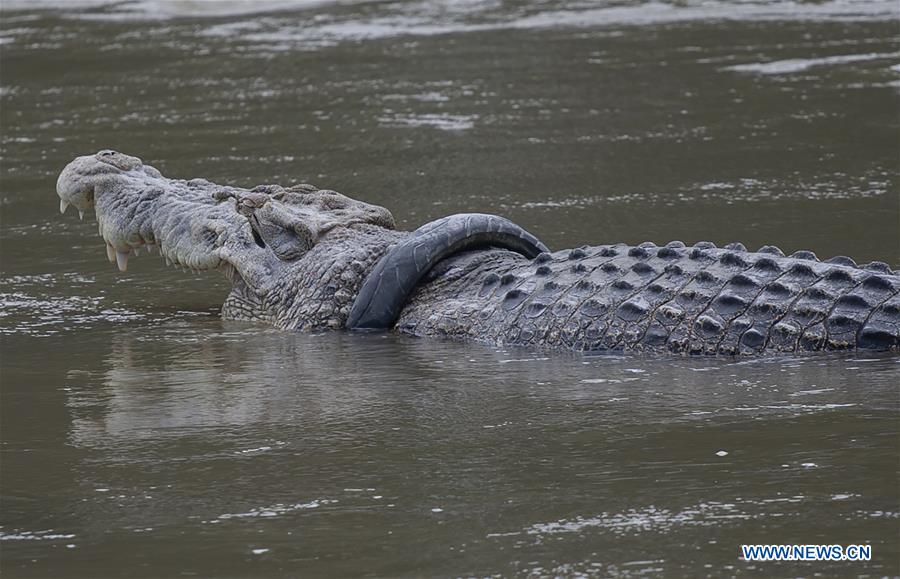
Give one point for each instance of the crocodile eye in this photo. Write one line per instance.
(288, 237)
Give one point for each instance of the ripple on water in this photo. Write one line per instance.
(431, 17)
(46, 316)
(793, 65)
(742, 190)
(663, 520)
(275, 510)
(443, 121)
(651, 518)
(45, 535)
(31, 310)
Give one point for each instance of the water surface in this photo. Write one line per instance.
(143, 436)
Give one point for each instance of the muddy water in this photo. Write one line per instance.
(143, 436)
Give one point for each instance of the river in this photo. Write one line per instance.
(142, 436)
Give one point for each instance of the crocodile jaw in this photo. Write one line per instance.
(260, 238)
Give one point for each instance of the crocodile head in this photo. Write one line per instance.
(277, 245)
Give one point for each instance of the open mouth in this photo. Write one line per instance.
(194, 225)
(197, 225)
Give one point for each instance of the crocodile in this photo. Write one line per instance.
(304, 258)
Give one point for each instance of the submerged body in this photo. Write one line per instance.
(299, 258)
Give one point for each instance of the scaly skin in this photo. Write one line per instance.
(298, 256)
(698, 300)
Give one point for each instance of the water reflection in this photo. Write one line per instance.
(174, 378)
(407, 442)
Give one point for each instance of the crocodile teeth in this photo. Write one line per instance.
(122, 260)
(149, 248)
(63, 206)
(81, 214)
(136, 252)
(168, 262)
(110, 253)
